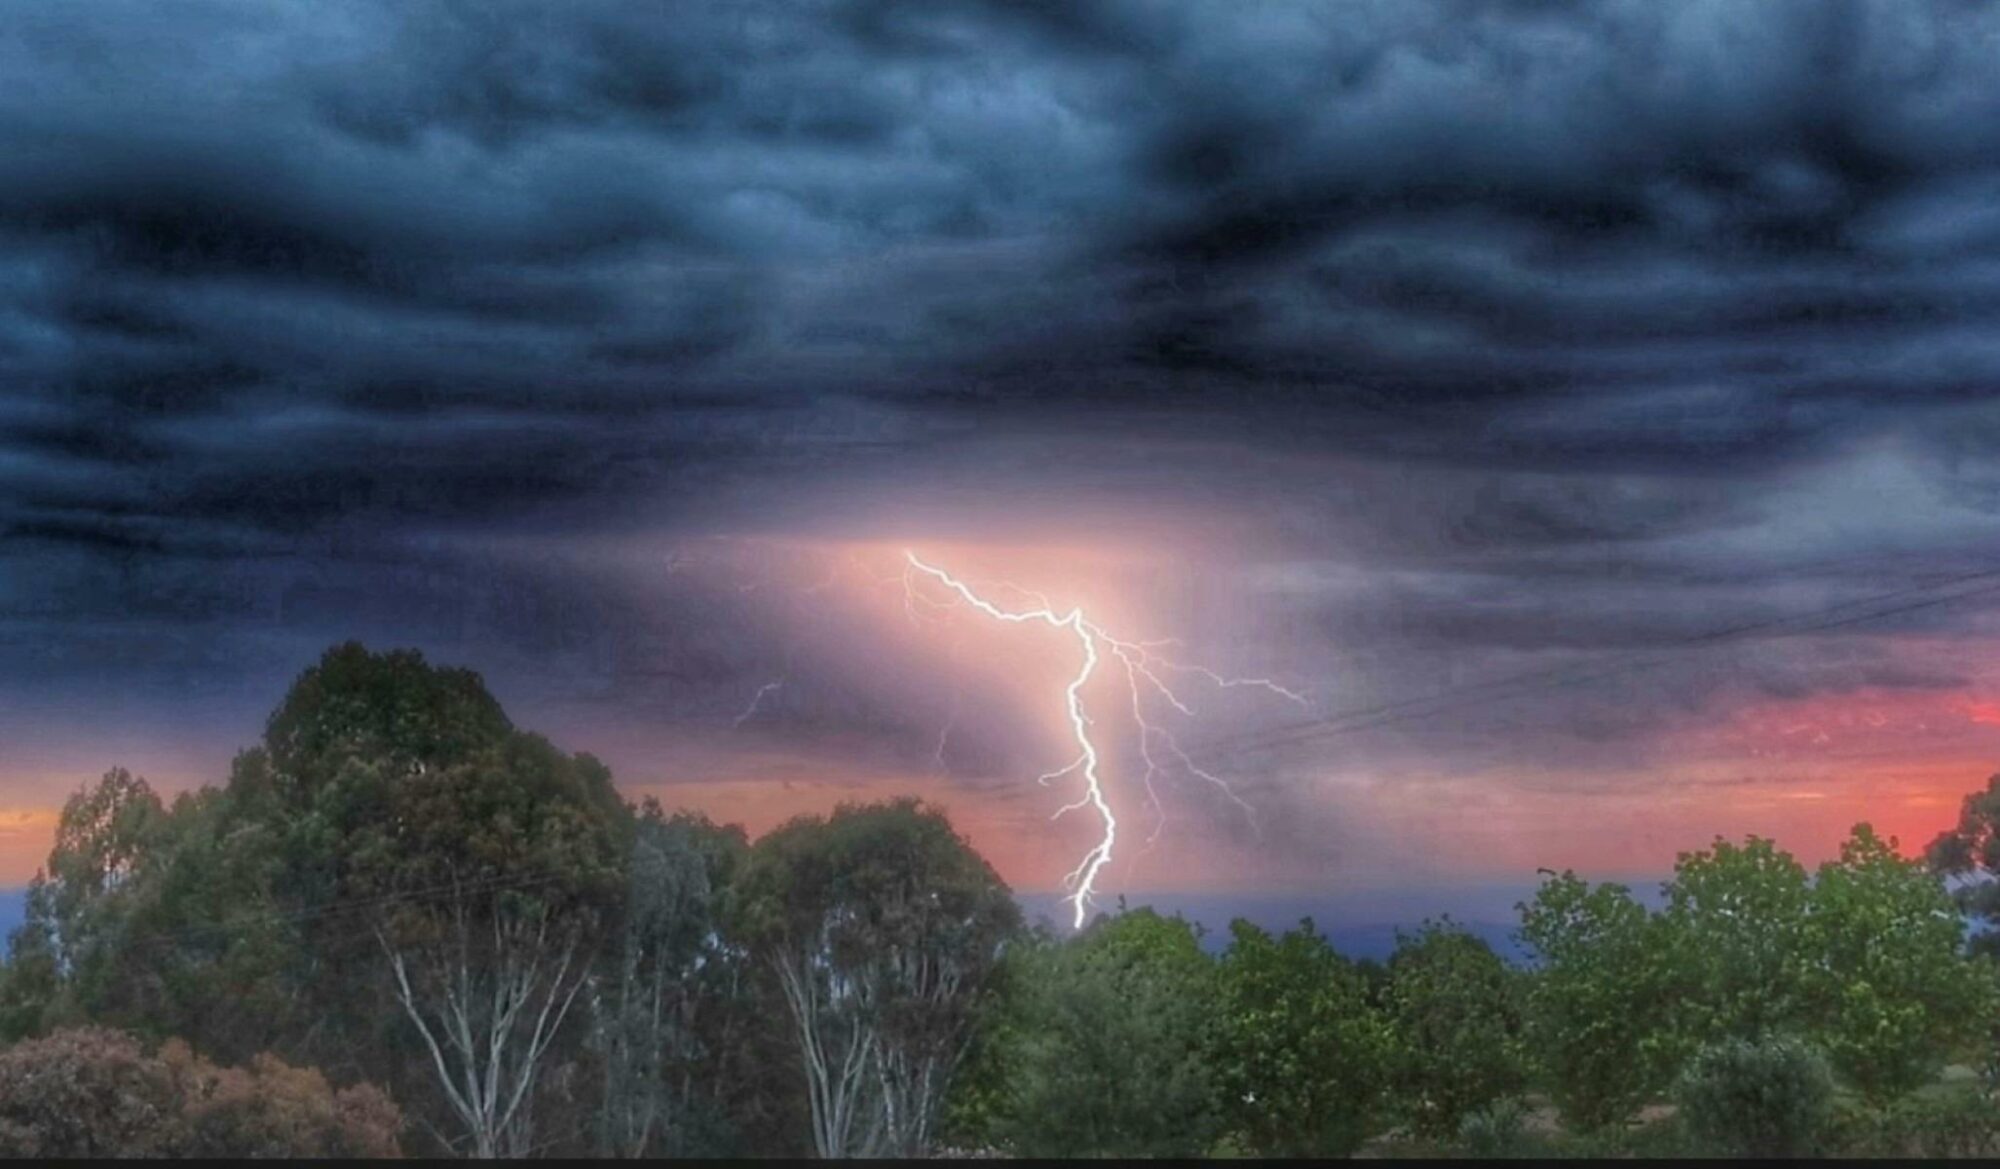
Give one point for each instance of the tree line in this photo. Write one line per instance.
(1853, 980)
(403, 925)
(402, 893)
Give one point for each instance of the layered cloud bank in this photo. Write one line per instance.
(1394, 348)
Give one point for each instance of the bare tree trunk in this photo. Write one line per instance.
(487, 1024)
(837, 1065)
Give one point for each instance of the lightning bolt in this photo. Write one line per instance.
(1143, 665)
(944, 734)
(756, 701)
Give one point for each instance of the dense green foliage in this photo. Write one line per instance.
(1771, 1096)
(884, 930)
(1863, 959)
(398, 895)
(398, 887)
(677, 1024)
(1301, 1059)
(1736, 923)
(1597, 1006)
(1454, 1008)
(1499, 1130)
(1960, 1120)
(1970, 852)
(1110, 1036)
(1891, 994)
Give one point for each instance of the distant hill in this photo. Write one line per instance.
(1377, 942)
(1358, 926)
(13, 907)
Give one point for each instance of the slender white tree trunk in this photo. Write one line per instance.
(488, 1024)
(835, 1045)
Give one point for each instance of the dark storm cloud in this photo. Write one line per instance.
(1508, 304)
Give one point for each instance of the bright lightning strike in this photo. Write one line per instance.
(1142, 664)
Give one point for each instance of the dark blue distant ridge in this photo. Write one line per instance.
(1357, 925)
(13, 907)
(1345, 921)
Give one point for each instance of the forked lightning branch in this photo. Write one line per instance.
(1142, 666)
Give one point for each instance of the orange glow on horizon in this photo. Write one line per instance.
(1801, 771)
(26, 835)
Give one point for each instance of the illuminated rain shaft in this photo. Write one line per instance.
(1139, 660)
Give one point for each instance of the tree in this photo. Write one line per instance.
(1862, 959)
(390, 854)
(1892, 992)
(87, 1092)
(976, 1109)
(29, 982)
(155, 919)
(1301, 1057)
(406, 812)
(392, 707)
(75, 945)
(676, 971)
(883, 928)
(94, 1092)
(1108, 1043)
(271, 1109)
(1736, 922)
(1455, 1008)
(1970, 854)
(225, 918)
(228, 958)
(348, 732)
(1596, 1007)
(491, 880)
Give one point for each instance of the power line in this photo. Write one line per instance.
(1366, 718)
(494, 884)
(1345, 722)
(1390, 713)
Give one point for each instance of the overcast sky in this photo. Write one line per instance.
(1380, 348)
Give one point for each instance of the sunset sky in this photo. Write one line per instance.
(1588, 410)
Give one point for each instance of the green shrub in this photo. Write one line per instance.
(1766, 1098)
(1498, 1130)
(1662, 1139)
(1855, 1129)
(1957, 1123)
